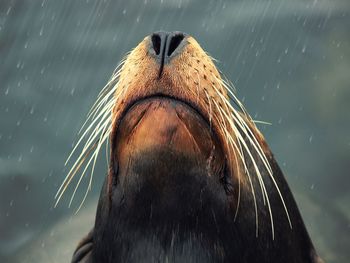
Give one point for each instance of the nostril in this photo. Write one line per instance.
(156, 41)
(163, 46)
(175, 42)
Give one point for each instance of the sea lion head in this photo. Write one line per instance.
(172, 128)
(183, 162)
(174, 160)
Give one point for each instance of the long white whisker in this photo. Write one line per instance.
(98, 126)
(69, 177)
(251, 137)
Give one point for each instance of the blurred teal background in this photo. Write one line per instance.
(290, 63)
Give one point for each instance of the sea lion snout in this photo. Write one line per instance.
(172, 67)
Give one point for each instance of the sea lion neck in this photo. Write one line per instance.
(182, 214)
(163, 187)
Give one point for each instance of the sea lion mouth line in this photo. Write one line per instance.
(188, 103)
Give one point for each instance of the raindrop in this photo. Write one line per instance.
(312, 187)
(179, 5)
(8, 10)
(310, 139)
(124, 11)
(26, 188)
(304, 49)
(11, 203)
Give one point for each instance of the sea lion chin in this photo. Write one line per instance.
(164, 124)
(191, 179)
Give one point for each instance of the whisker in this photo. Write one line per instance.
(262, 122)
(70, 176)
(94, 133)
(260, 180)
(246, 169)
(210, 109)
(256, 145)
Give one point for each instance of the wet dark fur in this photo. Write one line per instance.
(185, 216)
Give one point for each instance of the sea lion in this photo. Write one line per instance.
(191, 179)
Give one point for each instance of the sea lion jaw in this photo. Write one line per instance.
(160, 138)
(161, 122)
